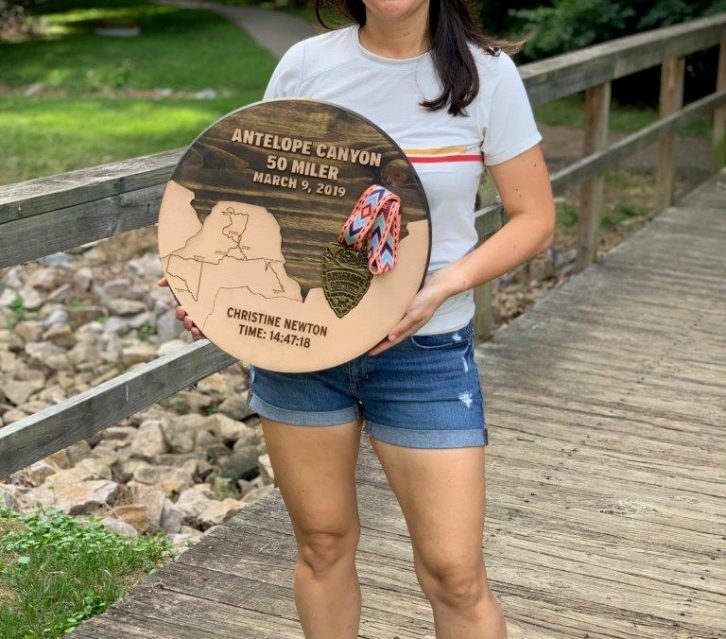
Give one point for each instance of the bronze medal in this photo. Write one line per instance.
(346, 277)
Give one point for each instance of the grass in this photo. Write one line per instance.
(56, 571)
(99, 99)
(52, 135)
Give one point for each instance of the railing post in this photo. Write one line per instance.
(484, 293)
(597, 112)
(671, 100)
(719, 115)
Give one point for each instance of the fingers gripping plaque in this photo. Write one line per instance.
(294, 233)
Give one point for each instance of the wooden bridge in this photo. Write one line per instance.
(606, 509)
(606, 472)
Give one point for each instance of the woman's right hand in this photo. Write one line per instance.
(181, 315)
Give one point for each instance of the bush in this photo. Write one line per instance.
(572, 24)
(568, 25)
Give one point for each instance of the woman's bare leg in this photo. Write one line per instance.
(442, 496)
(315, 470)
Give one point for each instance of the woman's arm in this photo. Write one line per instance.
(523, 184)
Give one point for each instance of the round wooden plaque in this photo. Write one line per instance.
(248, 234)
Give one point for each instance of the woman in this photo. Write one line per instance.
(454, 101)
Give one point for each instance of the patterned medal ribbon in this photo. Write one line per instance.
(374, 225)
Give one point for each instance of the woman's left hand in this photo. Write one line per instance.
(435, 290)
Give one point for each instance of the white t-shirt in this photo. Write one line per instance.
(448, 152)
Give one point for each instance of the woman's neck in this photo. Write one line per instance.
(405, 38)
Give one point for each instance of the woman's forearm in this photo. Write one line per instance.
(518, 241)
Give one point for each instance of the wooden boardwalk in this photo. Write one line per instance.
(606, 512)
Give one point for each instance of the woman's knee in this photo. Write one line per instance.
(455, 583)
(321, 550)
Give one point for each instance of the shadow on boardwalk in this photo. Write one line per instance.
(605, 472)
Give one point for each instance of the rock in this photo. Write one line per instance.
(22, 385)
(149, 441)
(172, 517)
(95, 468)
(232, 430)
(168, 327)
(171, 480)
(119, 527)
(152, 499)
(84, 315)
(236, 406)
(60, 335)
(137, 353)
(29, 330)
(182, 459)
(203, 510)
(241, 464)
(54, 357)
(14, 415)
(127, 469)
(194, 400)
(32, 300)
(266, 472)
(123, 434)
(43, 278)
(60, 459)
(121, 306)
(213, 384)
(35, 474)
(257, 494)
(182, 541)
(180, 432)
(33, 406)
(58, 317)
(169, 347)
(83, 278)
(62, 294)
(11, 496)
(134, 515)
(78, 451)
(74, 497)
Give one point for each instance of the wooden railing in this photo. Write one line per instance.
(46, 215)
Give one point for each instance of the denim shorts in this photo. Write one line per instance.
(424, 392)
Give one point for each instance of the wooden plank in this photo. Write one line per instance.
(57, 426)
(671, 100)
(67, 190)
(719, 115)
(597, 112)
(569, 73)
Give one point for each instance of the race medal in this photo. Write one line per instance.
(346, 277)
(294, 233)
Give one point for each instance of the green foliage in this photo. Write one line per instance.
(148, 328)
(567, 215)
(56, 571)
(567, 25)
(622, 214)
(19, 313)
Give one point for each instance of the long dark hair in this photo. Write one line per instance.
(451, 24)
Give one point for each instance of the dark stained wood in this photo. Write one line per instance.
(218, 168)
(605, 472)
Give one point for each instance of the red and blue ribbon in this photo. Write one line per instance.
(375, 225)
